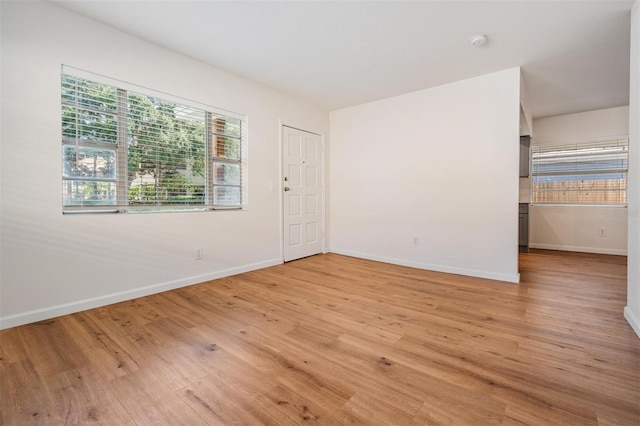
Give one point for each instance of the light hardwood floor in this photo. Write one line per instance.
(337, 340)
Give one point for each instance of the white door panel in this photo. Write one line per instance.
(302, 161)
(311, 204)
(295, 205)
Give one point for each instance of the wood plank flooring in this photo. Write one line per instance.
(333, 340)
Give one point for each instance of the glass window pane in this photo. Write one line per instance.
(166, 152)
(80, 92)
(226, 174)
(226, 196)
(225, 147)
(88, 193)
(581, 189)
(164, 144)
(586, 173)
(169, 190)
(88, 126)
(226, 125)
(88, 162)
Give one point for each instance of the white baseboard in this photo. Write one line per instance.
(515, 278)
(95, 302)
(632, 320)
(597, 250)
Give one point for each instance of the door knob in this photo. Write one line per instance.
(286, 188)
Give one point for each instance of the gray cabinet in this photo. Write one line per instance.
(525, 143)
(523, 227)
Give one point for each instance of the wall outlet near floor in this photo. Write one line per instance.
(198, 254)
(416, 241)
(603, 232)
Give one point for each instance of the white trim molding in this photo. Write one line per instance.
(597, 250)
(633, 320)
(431, 267)
(95, 302)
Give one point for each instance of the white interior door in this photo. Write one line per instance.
(302, 186)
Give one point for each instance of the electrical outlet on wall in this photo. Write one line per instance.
(603, 232)
(198, 254)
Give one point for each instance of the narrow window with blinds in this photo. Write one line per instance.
(581, 174)
(124, 151)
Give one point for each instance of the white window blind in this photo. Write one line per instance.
(127, 151)
(585, 173)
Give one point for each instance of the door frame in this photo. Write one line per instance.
(280, 185)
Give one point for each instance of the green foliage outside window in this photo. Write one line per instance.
(165, 147)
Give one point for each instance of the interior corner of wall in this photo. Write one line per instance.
(632, 319)
(524, 103)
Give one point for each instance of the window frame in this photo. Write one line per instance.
(121, 147)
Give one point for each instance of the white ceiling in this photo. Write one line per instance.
(575, 54)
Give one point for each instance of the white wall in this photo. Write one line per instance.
(54, 264)
(439, 165)
(582, 126)
(632, 310)
(577, 228)
(526, 120)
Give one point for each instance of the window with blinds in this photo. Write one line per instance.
(127, 151)
(586, 173)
